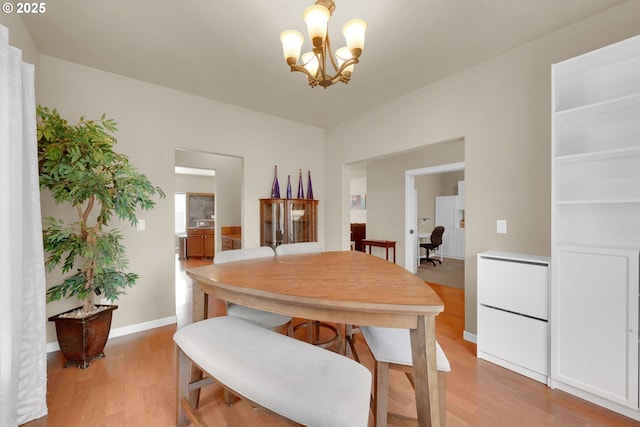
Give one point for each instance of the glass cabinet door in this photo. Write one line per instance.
(301, 223)
(272, 223)
(288, 221)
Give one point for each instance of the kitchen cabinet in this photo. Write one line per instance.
(200, 242)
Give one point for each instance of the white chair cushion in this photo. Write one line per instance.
(303, 383)
(393, 345)
(222, 257)
(298, 248)
(261, 318)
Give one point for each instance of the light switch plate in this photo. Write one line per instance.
(141, 225)
(501, 226)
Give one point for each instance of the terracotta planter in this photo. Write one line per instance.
(83, 340)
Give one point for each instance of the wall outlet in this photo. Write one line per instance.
(501, 226)
(141, 225)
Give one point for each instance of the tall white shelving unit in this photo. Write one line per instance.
(595, 284)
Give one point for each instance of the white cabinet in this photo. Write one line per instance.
(595, 229)
(447, 215)
(595, 312)
(513, 301)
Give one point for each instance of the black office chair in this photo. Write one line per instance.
(436, 241)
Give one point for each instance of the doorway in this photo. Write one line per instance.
(411, 209)
(226, 185)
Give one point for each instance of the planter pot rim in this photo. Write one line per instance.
(56, 318)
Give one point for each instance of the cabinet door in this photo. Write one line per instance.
(195, 245)
(272, 222)
(445, 216)
(459, 244)
(595, 318)
(209, 243)
(301, 221)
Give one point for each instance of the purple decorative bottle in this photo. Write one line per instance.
(275, 188)
(309, 188)
(288, 186)
(300, 189)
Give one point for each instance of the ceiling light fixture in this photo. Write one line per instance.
(314, 63)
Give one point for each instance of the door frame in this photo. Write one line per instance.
(411, 209)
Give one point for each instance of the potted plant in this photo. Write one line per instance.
(78, 166)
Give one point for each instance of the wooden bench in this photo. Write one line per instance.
(303, 383)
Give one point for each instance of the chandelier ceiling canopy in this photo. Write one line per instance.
(316, 62)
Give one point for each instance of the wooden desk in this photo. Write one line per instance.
(382, 244)
(347, 287)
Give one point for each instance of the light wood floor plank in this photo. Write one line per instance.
(134, 385)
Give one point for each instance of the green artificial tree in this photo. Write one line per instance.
(79, 167)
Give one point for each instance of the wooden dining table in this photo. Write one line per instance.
(345, 287)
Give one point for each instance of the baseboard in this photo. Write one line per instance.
(543, 378)
(468, 336)
(126, 330)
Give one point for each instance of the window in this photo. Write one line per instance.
(181, 214)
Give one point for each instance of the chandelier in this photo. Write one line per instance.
(314, 63)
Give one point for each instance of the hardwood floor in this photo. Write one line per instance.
(134, 385)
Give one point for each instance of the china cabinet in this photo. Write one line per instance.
(288, 221)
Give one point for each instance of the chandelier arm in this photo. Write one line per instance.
(303, 70)
(331, 56)
(320, 57)
(345, 64)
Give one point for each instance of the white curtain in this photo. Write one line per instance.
(23, 357)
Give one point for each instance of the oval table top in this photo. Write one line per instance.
(342, 280)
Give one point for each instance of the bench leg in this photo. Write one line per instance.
(183, 365)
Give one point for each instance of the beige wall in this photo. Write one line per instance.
(386, 185)
(502, 109)
(428, 187)
(153, 122)
(20, 37)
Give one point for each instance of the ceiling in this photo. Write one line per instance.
(230, 50)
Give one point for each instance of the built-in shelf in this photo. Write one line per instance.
(599, 155)
(596, 202)
(595, 232)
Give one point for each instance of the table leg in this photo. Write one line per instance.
(425, 372)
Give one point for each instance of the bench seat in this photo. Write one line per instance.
(303, 383)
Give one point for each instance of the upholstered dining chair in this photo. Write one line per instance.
(391, 349)
(277, 322)
(313, 326)
(436, 241)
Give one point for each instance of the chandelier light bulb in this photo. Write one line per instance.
(310, 62)
(353, 32)
(344, 54)
(291, 44)
(317, 17)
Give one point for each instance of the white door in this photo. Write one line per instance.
(445, 216)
